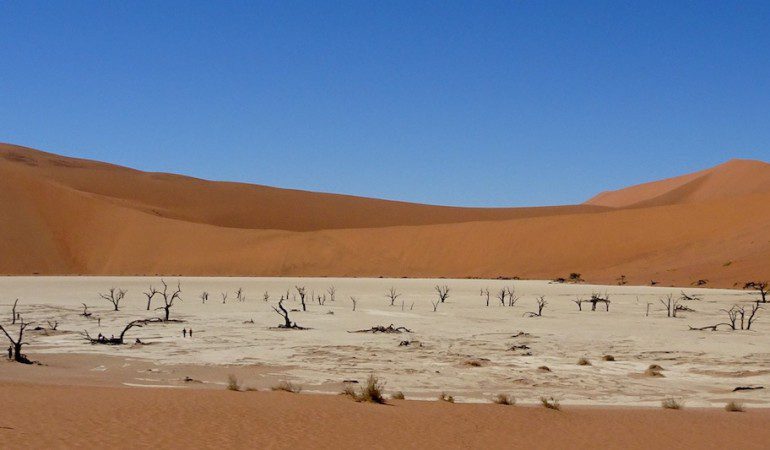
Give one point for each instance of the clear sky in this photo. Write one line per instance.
(465, 103)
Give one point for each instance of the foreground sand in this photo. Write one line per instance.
(35, 416)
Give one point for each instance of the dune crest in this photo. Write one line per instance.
(71, 216)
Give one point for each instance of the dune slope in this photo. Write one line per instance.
(69, 216)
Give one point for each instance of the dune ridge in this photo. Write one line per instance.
(72, 216)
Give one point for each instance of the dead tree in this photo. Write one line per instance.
(281, 311)
(332, 292)
(485, 292)
(443, 292)
(392, 295)
(114, 296)
(597, 298)
(738, 318)
(266, 296)
(512, 297)
(383, 329)
(685, 297)
(501, 295)
(204, 296)
(85, 311)
(541, 303)
(302, 292)
(150, 294)
(13, 312)
(579, 302)
(224, 297)
(53, 325)
(18, 342)
(670, 304)
(761, 286)
(355, 301)
(120, 339)
(622, 280)
(239, 295)
(169, 298)
(435, 304)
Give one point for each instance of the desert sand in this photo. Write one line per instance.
(77, 417)
(171, 390)
(72, 216)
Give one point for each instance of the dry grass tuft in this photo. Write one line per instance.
(372, 392)
(583, 362)
(608, 358)
(287, 386)
(550, 403)
(504, 399)
(734, 406)
(654, 371)
(544, 369)
(671, 403)
(349, 391)
(398, 395)
(232, 383)
(444, 397)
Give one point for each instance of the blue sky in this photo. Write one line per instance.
(462, 103)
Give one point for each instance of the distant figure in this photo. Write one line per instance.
(10, 352)
(190, 332)
(100, 337)
(112, 338)
(184, 332)
(99, 321)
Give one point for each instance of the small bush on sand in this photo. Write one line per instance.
(583, 362)
(286, 386)
(654, 371)
(398, 395)
(504, 399)
(232, 383)
(349, 391)
(372, 392)
(544, 369)
(671, 403)
(444, 397)
(608, 358)
(550, 403)
(734, 406)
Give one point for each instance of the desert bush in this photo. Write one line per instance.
(544, 369)
(583, 362)
(608, 358)
(444, 397)
(372, 391)
(349, 391)
(550, 403)
(232, 383)
(504, 399)
(287, 386)
(734, 406)
(398, 395)
(671, 403)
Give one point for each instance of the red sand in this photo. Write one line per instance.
(35, 416)
(71, 216)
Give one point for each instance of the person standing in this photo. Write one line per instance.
(184, 332)
(190, 333)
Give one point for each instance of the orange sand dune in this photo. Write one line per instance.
(90, 417)
(68, 216)
(735, 178)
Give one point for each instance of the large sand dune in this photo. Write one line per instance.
(71, 216)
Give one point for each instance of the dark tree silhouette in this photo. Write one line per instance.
(18, 342)
(114, 296)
